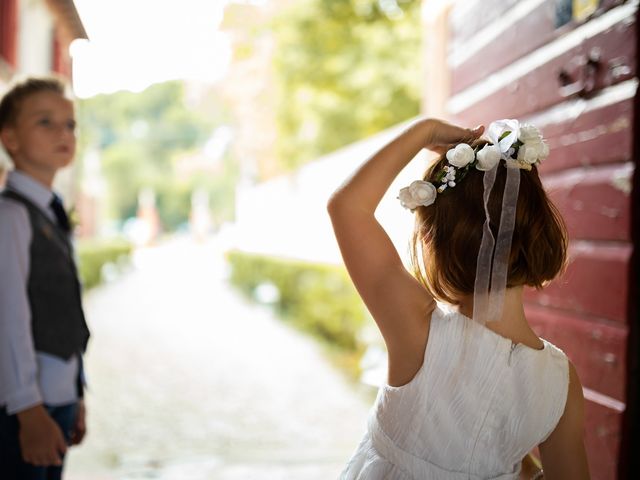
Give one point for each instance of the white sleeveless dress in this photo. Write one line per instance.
(467, 414)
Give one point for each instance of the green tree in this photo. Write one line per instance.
(139, 137)
(345, 69)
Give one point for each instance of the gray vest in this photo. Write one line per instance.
(57, 319)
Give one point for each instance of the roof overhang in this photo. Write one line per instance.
(68, 19)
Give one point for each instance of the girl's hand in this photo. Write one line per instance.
(442, 135)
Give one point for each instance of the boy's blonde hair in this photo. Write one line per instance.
(11, 101)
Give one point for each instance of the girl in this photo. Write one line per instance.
(472, 390)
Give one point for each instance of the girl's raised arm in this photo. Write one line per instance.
(399, 304)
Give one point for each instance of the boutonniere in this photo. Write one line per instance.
(46, 230)
(74, 218)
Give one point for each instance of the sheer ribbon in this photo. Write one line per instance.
(492, 267)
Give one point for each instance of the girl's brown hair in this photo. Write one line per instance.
(447, 234)
(10, 103)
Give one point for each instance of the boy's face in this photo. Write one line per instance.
(43, 138)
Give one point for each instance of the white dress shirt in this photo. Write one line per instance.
(27, 377)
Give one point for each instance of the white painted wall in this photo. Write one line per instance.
(287, 216)
(35, 35)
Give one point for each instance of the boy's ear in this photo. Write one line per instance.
(9, 139)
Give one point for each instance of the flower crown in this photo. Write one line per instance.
(520, 146)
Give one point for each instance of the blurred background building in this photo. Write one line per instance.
(35, 36)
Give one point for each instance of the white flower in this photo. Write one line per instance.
(544, 151)
(528, 153)
(498, 128)
(406, 200)
(533, 151)
(460, 156)
(417, 194)
(488, 157)
(423, 192)
(529, 133)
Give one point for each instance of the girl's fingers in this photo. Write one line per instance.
(471, 134)
(452, 134)
(478, 131)
(446, 136)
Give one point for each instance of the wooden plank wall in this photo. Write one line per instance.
(577, 81)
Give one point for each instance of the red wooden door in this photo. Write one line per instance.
(569, 68)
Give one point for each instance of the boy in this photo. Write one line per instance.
(42, 328)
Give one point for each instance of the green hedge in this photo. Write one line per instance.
(318, 298)
(94, 254)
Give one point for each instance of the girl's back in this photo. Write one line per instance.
(477, 406)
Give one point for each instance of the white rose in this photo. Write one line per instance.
(544, 152)
(528, 153)
(533, 151)
(460, 156)
(529, 133)
(488, 157)
(424, 193)
(419, 193)
(406, 199)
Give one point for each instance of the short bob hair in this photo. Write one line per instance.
(12, 100)
(447, 234)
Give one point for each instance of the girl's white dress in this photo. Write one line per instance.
(469, 413)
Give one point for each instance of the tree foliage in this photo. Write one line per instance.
(345, 69)
(139, 137)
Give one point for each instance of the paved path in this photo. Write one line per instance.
(189, 382)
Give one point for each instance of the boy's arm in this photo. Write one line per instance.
(40, 439)
(18, 367)
(80, 424)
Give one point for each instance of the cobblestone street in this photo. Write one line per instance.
(188, 381)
